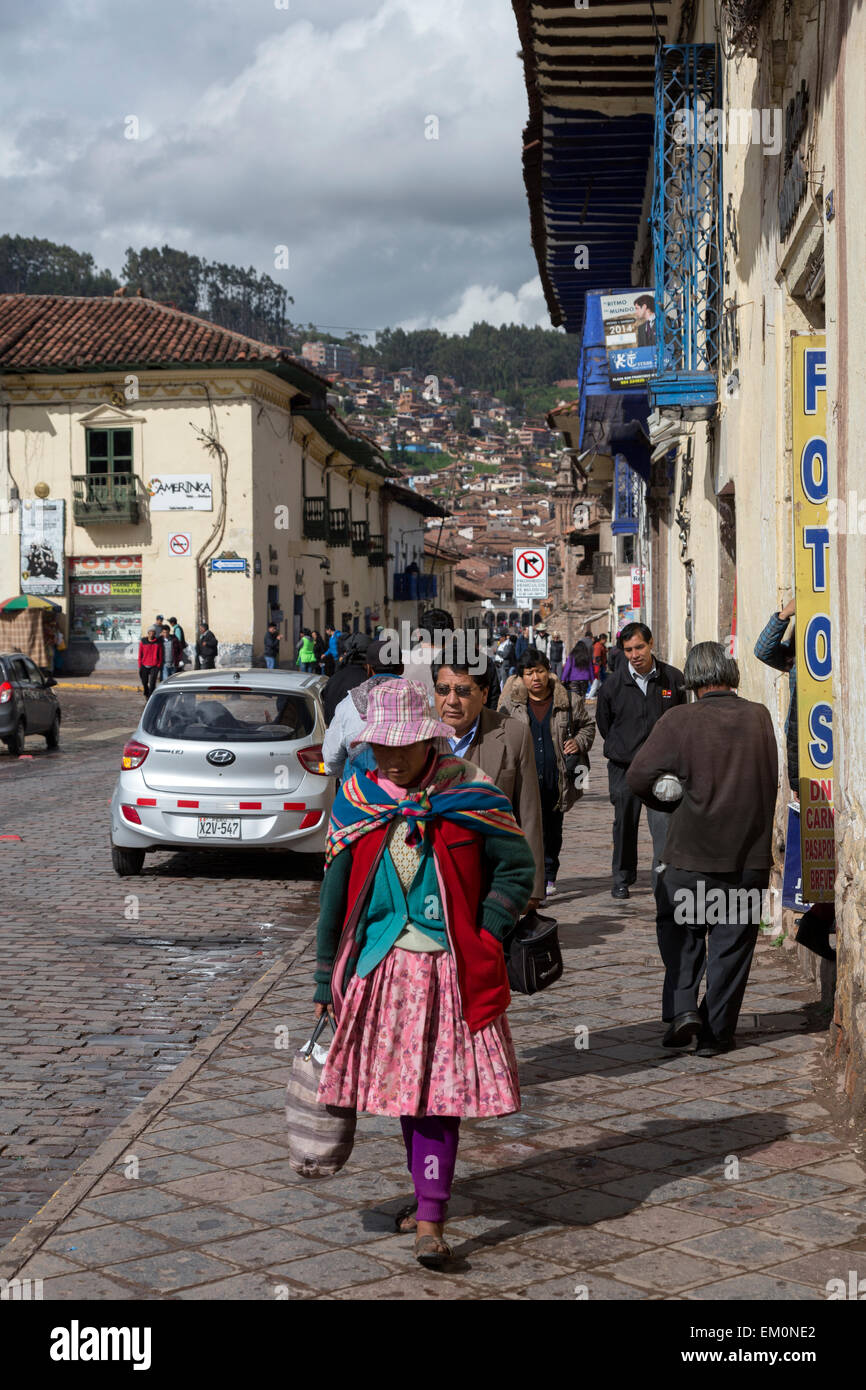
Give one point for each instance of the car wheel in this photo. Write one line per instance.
(15, 743)
(127, 862)
(52, 738)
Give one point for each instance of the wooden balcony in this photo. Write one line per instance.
(360, 537)
(376, 555)
(315, 524)
(112, 498)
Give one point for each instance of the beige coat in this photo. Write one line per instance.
(503, 749)
(569, 719)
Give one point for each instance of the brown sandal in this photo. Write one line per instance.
(432, 1252)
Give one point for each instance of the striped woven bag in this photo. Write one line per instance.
(321, 1137)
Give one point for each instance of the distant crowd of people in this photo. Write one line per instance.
(163, 651)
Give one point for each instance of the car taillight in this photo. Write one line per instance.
(129, 813)
(134, 755)
(5, 693)
(311, 759)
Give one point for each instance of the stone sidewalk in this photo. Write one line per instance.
(631, 1172)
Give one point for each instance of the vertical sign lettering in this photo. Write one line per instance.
(813, 635)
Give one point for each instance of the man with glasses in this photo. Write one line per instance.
(500, 746)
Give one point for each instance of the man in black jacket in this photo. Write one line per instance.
(351, 671)
(205, 649)
(630, 703)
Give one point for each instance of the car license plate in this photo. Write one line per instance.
(219, 828)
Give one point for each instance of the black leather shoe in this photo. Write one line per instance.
(684, 1028)
(619, 890)
(714, 1047)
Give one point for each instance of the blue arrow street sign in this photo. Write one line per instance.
(225, 564)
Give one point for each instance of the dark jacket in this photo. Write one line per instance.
(615, 657)
(774, 652)
(568, 719)
(206, 647)
(554, 652)
(723, 750)
(520, 646)
(344, 679)
(272, 644)
(502, 748)
(176, 651)
(626, 717)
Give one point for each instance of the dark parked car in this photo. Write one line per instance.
(28, 705)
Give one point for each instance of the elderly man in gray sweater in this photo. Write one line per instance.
(717, 855)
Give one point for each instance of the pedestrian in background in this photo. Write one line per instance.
(205, 648)
(351, 671)
(172, 653)
(350, 715)
(59, 648)
(554, 654)
(272, 646)
(615, 655)
(306, 657)
(774, 651)
(562, 733)
(630, 704)
(319, 647)
(428, 868)
(577, 671)
(150, 659)
(718, 850)
(500, 746)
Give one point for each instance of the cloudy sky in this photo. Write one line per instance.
(264, 123)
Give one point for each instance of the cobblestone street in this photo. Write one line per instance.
(631, 1173)
(96, 1005)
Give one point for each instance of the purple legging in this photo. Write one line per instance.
(431, 1154)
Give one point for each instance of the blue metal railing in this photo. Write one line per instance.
(626, 498)
(687, 226)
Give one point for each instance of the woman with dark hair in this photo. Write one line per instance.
(577, 671)
(427, 869)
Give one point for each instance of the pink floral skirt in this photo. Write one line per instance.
(402, 1047)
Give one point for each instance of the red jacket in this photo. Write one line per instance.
(150, 653)
(478, 956)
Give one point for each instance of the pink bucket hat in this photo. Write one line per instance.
(398, 713)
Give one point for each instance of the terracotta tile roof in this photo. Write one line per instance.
(43, 332)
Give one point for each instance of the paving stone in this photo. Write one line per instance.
(264, 1248)
(282, 1206)
(747, 1246)
(818, 1225)
(249, 1286)
(87, 1287)
(658, 1225)
(334, 1269)
(799, 1186)
(175, 1269)
(817, 1267)
(670, 1271)
(104, 1245)
(572, 1286)
(220, 1186)
(187, 1137)
(653, 1188)
(197, 1225)
(132, 1205)
(582, 1246)
(734, 1203)
(751, 1288)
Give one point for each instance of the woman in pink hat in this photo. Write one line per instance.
(427, 869)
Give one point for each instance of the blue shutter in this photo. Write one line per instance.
(686, 228)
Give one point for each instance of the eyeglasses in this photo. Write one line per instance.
(461, 691)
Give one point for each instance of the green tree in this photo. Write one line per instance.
(30, 265)
(166, 274)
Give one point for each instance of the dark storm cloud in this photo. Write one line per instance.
(259, 126)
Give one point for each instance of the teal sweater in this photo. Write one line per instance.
(511, 869)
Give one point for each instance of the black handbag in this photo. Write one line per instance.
(532, 954)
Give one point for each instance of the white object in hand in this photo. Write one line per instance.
(668, 788)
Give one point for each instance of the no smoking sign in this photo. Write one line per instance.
(530, 572)
(179, 543)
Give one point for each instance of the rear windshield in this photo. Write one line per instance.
(235, 716)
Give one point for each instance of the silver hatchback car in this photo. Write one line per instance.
(226, 759)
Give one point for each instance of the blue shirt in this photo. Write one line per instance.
(460, 746)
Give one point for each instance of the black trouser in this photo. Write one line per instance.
(626, 818)
(551, 832)
(149, 679)
(708, 922)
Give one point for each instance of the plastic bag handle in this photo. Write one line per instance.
(317, 1033)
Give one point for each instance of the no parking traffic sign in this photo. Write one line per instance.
(530, 572)
(179, 543)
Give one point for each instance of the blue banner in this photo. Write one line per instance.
(792, 883)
